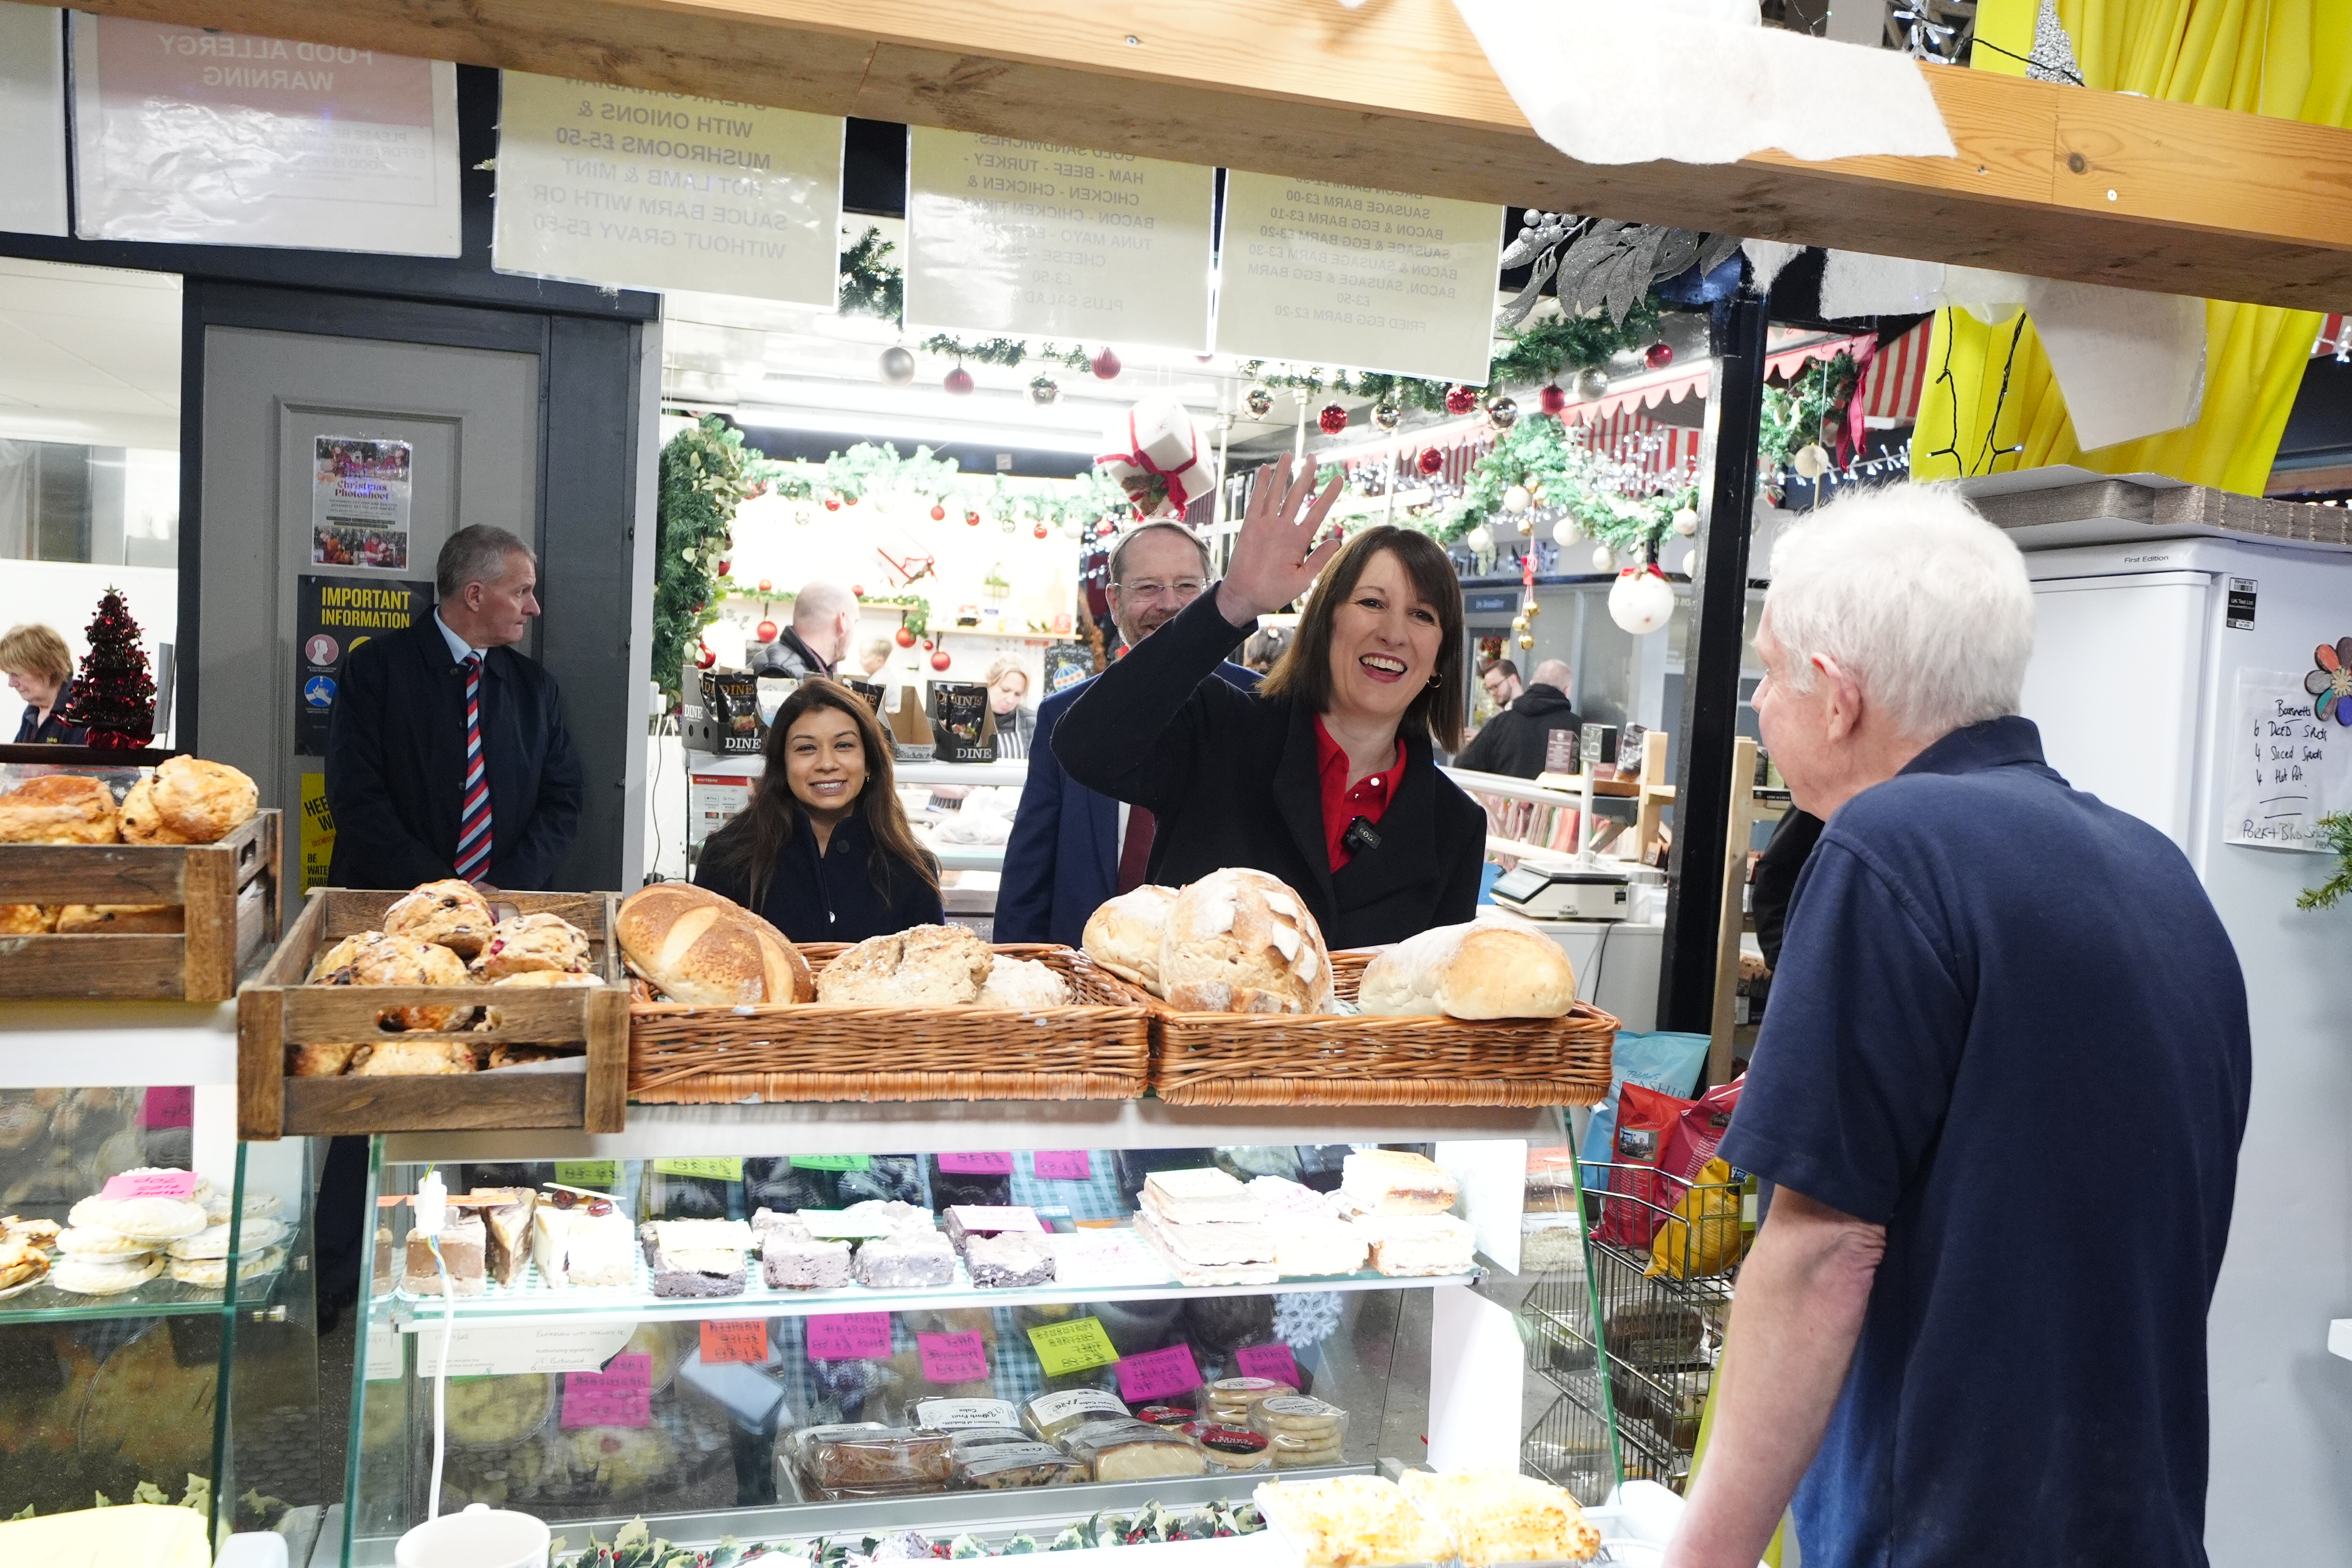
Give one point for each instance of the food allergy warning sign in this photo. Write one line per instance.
(1029, 238)
(1320, 274)
(654, 190)
(2289, 767)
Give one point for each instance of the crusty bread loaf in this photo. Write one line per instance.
(1023, 982)
(27, 920)
(58, 808)
(695, 946)
(449, 913)
(120, 919)
(318, 1061)
(1239, 940)
(1472, 971)
(923, 966)
(202, 802)
(142, 822)
(1123, 934)
(532, 943)
(372, 958)
(411, 1058)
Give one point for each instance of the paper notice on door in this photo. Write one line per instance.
(360, 502)
(1005, 237)
(1340, 275)
(2286, 767)
(202, 137)
(637, 189)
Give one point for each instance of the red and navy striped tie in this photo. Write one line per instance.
(474, 815)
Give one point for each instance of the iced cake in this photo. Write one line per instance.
(1007, 1260)
(463, 1241)
(792, 1259)
(696, 1258)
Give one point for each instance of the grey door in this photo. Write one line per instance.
(471, 418)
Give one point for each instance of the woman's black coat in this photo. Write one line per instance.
(830, 898)
(1231, 779)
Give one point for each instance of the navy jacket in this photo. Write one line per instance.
(54, 730)
(396, 752)
(836, 898)
(1233, 779)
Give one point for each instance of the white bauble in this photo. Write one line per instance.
(1683, 562)
(1516, 500)
(1479, 539)
(1685, 522)
(1603, 558)
(1811, 462)
(1565, 531)
(896, 366)
(1640, 602)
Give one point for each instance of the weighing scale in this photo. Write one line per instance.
(1565, 893)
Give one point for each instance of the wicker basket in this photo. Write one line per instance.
(1260, 1058)
(1097, 1048)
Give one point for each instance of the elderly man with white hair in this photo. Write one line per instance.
(2000, 1087)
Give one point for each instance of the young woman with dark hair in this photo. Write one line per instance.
(1324, 776)
(823, 850)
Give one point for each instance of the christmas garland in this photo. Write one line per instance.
(870, 286)
(1006, 352)
(1531, 355)
(1561, 472)
(1794, 418)
(707, 472)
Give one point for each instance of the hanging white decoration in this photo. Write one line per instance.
(1516, 500)
(1685, 522)
(1811, 462)
(1479, 539)
(1565, 531)
(1603, 558)
(1642, 600)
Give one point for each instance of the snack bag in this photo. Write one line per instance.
(1646, 1120)
(1705, 1237)
(1700, 1129)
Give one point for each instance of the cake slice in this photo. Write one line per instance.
(1009, 1260)
(1198, 1274)
(506, 1215)
(696, 1258)
(1405, 1245)
(792, 1259)
(1387, 1181)
(1199, 1196)
(592, 1244)
(968, 1220)
(1315, 1247)
(906, 1258)
(462, 1239)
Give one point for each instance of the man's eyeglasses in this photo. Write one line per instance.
(1184, 589)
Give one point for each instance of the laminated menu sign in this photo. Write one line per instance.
(1024, 237)
(849, 1336)
(2292, 767)
(1323, 274)
(192, 134)
(1155, 1374)
(620, 1395)
(624, 186)
(1072, 1346)
(952, 1358)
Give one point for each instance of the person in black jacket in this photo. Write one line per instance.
(1518, 741)
(1322, 776)
(823, 851)
(399, 781)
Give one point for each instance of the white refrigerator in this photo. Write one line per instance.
(2163, 674)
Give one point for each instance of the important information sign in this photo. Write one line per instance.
(618, 186)
(1340, 275)
(333, 615)
(1028, 239)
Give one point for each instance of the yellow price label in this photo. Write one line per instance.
(1073, 1346)
(597, 1175)
(701, 1166)
(832, 1161)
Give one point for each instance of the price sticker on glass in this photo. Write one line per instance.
(849, 1336)
(620, 1395)
(735, 1339)
(1155, 1374)
(952, 1358)
(1073, 1346)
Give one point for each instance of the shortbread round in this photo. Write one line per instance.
(157, 1219)
(213, 1240)
(90, 1241)
(91, 1277)
(213, 1272)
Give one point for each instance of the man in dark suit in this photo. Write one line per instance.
(1072, 849)
(446, 755)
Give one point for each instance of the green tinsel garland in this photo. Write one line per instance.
(1531, 355)
(870, 286)
(1006, 352)
(1536, 451)
(1795, 417)
(705, 473)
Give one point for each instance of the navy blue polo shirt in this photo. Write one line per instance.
(2007, 1026)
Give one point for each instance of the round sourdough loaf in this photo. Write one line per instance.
(202, 802)
(1471, 971)
(695, 946)
(1123, 934)
(923, 966)
(1239, 940)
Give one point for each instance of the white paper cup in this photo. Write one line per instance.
(481, 1537)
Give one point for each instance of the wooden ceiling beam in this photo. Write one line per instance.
(2053, 181)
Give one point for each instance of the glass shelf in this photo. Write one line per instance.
(161, 1297)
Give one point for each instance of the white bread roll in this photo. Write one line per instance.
(1024, 983)
(1123, 934)
(1471, 971)
(698, 947)
(1239, 940)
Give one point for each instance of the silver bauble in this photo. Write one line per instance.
(1502, 412)
(1591, 385)
(1258, 400)
(1387, 416)
(1043, 389)
(897, 365)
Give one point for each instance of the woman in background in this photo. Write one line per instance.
(39, 668)
(823, 851)
(1008, 688)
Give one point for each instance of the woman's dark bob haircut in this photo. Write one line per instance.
(1303, 671)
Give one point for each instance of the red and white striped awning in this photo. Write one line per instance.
(1891, 387)
(2334, 336)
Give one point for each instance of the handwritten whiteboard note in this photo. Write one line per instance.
(2287, 768)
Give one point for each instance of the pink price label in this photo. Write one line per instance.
(849, 1336)
(1155, 1374)
(169, 1108)
(952, 1358)
(976, 1165)
(620, 1395)
(1268, 1361)
(995, 1219)
(1062, 1165)
(150, 1184)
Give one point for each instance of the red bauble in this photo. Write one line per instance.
(1105, 365)
(833, 503)
(857, 590)
(938, 513)
(958, 383)
(1460, 400)
(1333, 419)
(1431, 461)
(971, 520)
(704, 658)
(1659, 355)
(766, 586)
(1040, 530)
(905, 638)
(927, 643)
(764, 632)
(940, 661)
(1551, 399)
(724, 566)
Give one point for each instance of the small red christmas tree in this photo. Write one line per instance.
(114, 695)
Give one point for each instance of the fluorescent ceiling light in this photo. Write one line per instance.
(927, 430)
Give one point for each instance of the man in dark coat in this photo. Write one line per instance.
(823, 617)
(400, 776)
(1516, 740)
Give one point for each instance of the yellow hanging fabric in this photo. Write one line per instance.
(2291, 59)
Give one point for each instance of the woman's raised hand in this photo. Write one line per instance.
(1276, 558)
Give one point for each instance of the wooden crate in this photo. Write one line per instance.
(229, 891)
(275, 1009)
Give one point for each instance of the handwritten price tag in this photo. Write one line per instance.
(1268, 1361)
(620, 1395)
(1062, 1165)
(1073, 1346)
(169, 1108)
(735, 1339)
(596, 1175)
(952, 1358)
(849, 1336)
(699, 1165)
(150, 1184)
(1155, 1374)
(831, 1162)
(976, 1165)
